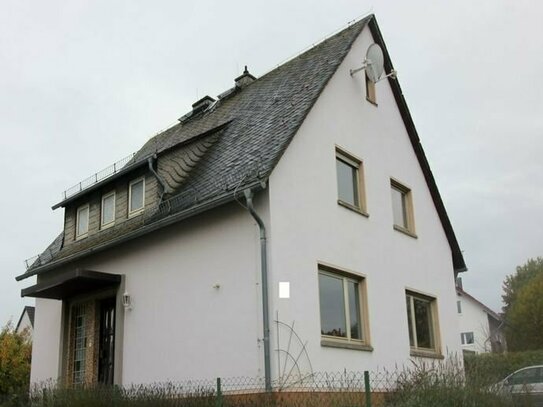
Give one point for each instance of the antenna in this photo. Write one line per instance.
(374, 64)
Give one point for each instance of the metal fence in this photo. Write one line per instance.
(99, 176)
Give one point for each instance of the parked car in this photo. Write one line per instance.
(525, 384)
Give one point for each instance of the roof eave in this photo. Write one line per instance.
(101, 183)
(169, 220)
(459, 265)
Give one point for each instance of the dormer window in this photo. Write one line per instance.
(108, 210)
(82, 222)
(136, 198)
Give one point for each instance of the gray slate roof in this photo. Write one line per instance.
(254, 126)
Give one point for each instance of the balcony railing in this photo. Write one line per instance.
(99, 176)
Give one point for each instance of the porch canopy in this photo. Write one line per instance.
(72, 283)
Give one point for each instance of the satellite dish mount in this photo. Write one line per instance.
(374, 65)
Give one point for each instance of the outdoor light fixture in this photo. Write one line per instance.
(127, 301)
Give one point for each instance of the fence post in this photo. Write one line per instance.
(367, 389)
(218, 399)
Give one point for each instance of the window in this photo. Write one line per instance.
(467, 338)
(530, 375)
(371, 95)
(136, 197)
(402, 208)
(79, 345)
(350, 183)
(422, 322)
(108, 209)
(82, 222)
(342, 315)
(459, 306)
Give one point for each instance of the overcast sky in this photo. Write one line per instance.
(85, 83)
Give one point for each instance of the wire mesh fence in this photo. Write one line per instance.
(418, 387)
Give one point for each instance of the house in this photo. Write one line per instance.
(26, 321)
(481, 329)
(290, 225)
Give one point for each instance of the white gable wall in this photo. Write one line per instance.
(309, 226)
(474, 319)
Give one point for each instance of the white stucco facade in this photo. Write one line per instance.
(308, 226)
(474, 319)
(195, 286)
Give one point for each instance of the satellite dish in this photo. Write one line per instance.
(374, 62)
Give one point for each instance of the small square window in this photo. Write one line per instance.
(342, 311)
(402, 208)
(108, 209)
(467, 338)
(82, 222)
(350, 181)
(422, 322)
(136, 199)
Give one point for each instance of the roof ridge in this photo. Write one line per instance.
(363, 18)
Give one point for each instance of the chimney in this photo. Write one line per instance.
(459, 283)
(202, 104)
(244, 79)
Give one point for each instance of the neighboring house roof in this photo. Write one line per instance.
(244, 135)
(29, 310)
(486, 309)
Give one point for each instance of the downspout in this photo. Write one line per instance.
(264, 273)
(165, 188)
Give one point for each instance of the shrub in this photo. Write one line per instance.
(445, 385)
(494, 367)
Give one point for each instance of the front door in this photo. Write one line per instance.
(107, 341)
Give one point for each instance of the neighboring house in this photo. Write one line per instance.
(481, 329)
(291, 225)
(26, 321)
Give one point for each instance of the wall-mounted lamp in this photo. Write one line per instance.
(127, 301)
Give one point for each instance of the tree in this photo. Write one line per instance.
(525, 317)
(523, 306)
(15, 355)
(515, 282)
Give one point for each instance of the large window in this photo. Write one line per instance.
(136, 199)
(350, 181)
(82, 222)
(422, 321)
(342, 306)
(108, 209)
(402, 208)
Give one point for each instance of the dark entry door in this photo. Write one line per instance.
(107, 341)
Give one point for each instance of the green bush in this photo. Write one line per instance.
(444, 385)
(494, 367)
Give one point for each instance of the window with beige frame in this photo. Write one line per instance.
(108, 210)
(423, 324)
(82, 222)
(344, 320)
(136, 196)
(402, 208)
(350, 181)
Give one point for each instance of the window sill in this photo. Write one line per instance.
(353, 208)
(107, 226)
(426, 354)
(346, 345)
(135, 213)
(81, 237)
(372, 102)
(405, 231)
